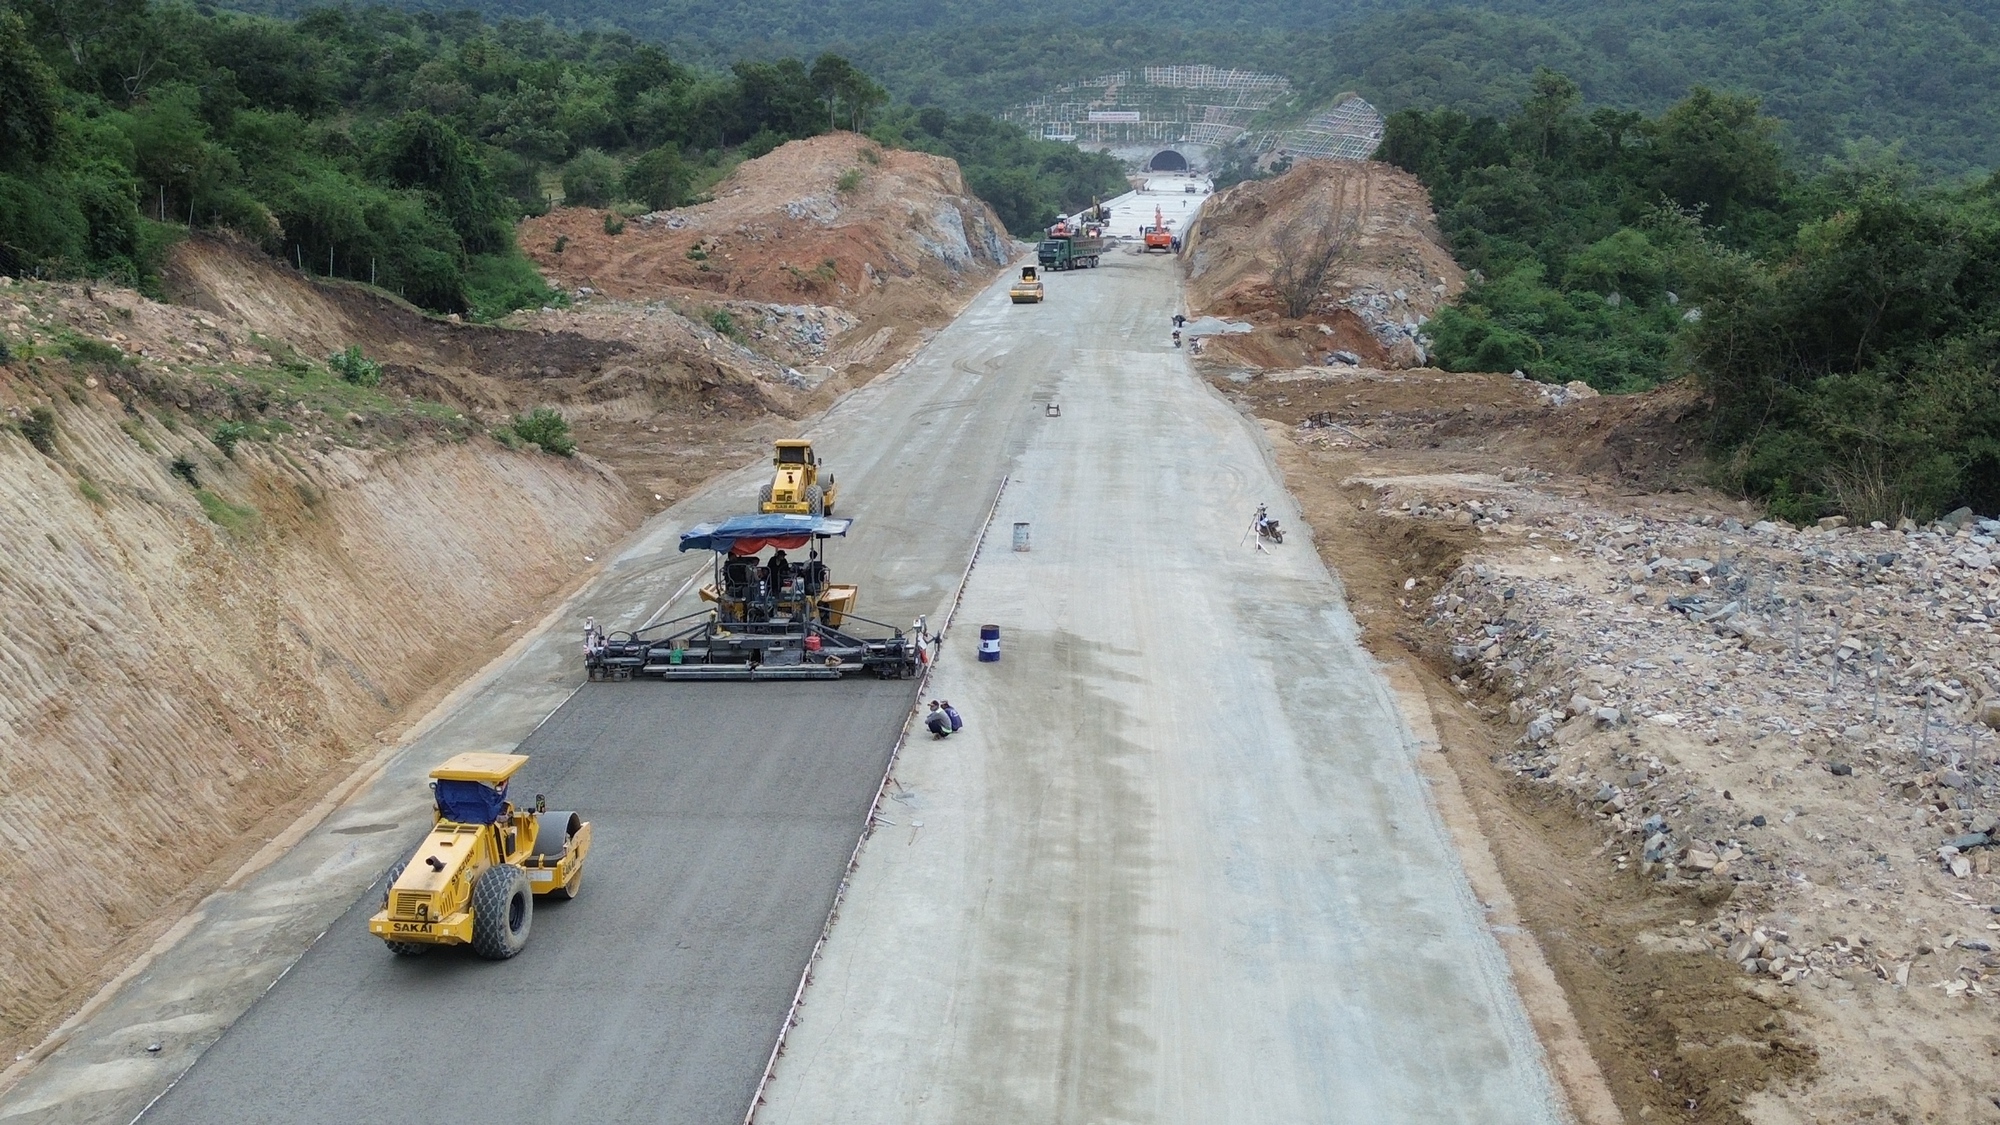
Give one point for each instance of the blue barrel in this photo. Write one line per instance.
(989, 643)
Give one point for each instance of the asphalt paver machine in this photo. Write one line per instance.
(768, 617)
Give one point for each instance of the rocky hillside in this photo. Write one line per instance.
(892, 239)
(1391, 274)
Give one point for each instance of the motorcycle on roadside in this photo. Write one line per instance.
(1264, 528)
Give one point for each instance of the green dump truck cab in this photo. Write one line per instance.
(1070, 246)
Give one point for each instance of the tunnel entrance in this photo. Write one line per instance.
(1167, 160)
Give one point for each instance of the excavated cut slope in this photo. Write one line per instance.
(1395, 273)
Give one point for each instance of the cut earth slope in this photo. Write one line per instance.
(1394, 272)
(832, 252)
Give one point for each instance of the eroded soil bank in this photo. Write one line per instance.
(187, 667)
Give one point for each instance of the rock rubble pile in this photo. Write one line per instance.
(1805, 717)
(1397, 318)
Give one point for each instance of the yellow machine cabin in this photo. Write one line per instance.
(1028, 290)
(474, 879)
(800, 485)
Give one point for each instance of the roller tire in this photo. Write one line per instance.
(400, 948)
(503, 910)
(816, 500)
(570, 889)
(763, 497)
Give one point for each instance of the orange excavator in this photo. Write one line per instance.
(1158, 237)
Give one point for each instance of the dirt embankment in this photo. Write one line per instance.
(1392, 273)
(1715, 758)
(891, 241)
(186, 669)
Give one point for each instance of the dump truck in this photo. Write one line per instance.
(474, 879)
(1071, 245)
(800, 485)
(1157, 236)
(1028, 290)
(768, 617)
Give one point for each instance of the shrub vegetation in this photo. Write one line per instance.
(355, 367)
(1843, 318)
(547, 428)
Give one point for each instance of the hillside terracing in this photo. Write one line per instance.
(650, 392)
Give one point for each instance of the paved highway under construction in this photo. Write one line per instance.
(1180, 866)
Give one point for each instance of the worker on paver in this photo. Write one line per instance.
(781, 570)
(938, 722)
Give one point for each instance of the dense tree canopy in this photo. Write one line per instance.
(364, 144)
(388, 147)
(1845, 324)
(1858, 368)
(1923, 73)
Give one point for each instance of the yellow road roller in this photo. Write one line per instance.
(1028, 290)
(800, 484)
(474, 879)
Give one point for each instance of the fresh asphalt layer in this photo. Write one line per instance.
(723, 814)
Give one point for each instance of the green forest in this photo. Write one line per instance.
(1844, 323)
(1921, 73)
(399, 149)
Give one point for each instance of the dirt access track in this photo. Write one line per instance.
(1738, 776)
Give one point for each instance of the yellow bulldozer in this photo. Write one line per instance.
(1028, 290)
(474, 879)
(800, 486)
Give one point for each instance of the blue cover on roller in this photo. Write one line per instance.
(749, 534)
(469, 802)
